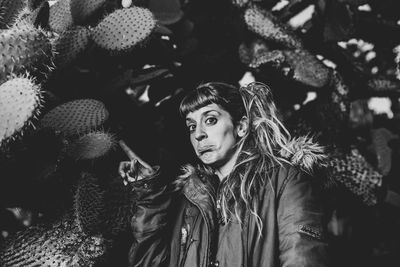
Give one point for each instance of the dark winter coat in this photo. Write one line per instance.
(290, 208)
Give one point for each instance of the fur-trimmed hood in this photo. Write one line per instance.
(301, 152)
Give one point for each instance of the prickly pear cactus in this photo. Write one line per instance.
(76, 117)
(9, 10)
(257, 53)
(124, 29)
(24, 48)
(60, 244)
(88, 204)
(356, 174)
(267, 26)
(60, 18)
(20, 102)
(307, 69)
(118, 208)
(92, 146)
(82, 10)
(70, 45)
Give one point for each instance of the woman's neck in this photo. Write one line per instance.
(224, 170)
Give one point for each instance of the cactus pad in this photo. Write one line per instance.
(9, 10)
(20, 100)
(59, 244)
(70, 45)
(88, 204)
(76, 117)
(267, 26)
(307, 68)
(124, 29)
(82, 10)
(60, 18)
(24, 48)
(258, 53)
(92, 146)
(356, 174)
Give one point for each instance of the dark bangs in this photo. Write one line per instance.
(202, 96)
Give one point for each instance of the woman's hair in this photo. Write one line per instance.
(258, 149)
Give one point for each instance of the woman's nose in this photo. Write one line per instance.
(200, 134)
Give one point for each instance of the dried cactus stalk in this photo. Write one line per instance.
(82, 10)
(24, 48)
(92, 146)
(60, 18)
(267, 26)
(76, 117)
(20, 102)
(70, 45)
(124, 29)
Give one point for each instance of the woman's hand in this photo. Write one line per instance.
(132, 171)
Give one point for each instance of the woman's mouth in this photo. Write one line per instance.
(203, 150)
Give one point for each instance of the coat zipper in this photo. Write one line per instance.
(207, 232)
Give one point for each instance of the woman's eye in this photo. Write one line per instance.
(211, 121)
(191, 127)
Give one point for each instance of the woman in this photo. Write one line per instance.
(252, 200)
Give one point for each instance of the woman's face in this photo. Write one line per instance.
(212, 134)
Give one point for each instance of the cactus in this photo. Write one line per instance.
(70, 45)
(92, 146)
(82, 10)
(24, 48)
(88, 204)
(20, 101)
(166, 12)
(39, 17)
(267, 26)
(60, 18)
(76, 117)
(307, 68)
(60, 244)
(257, 53)
(117, 199)
(124, 29)
(356, 174)
(9, 10)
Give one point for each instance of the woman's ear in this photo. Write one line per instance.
(243, 126)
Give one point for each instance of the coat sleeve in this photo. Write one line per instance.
(301, 222)
(149, 222)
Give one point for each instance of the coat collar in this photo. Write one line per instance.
(302, 152)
